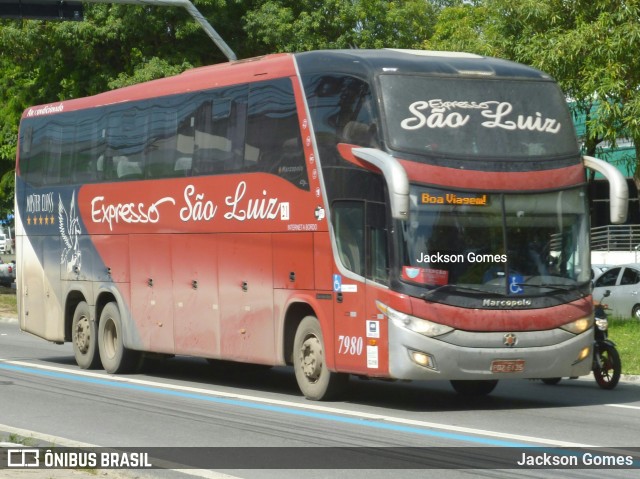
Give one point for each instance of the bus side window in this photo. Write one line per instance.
(348, 227)
(273, 133)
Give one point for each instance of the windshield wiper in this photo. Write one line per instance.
(456, 287)
(553, 287)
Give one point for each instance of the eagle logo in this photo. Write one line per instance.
(69, 225)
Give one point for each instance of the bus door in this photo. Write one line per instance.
(349, 287)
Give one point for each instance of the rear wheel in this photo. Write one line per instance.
(314, 378)
(474, 388)
(113, 354)
(635, 312)
(84, 337)
(607, 366)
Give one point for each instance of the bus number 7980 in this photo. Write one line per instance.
(351, 345)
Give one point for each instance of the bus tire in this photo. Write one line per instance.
(314, 378)
(116, 359)
(474, 387)
(84, 337)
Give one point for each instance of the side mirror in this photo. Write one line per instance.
(395, 176)
(618, 189)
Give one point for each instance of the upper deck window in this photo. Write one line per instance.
(244, 128)
(476, 117)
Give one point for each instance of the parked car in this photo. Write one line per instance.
(597, 270)
(7, 273)
(624, 283)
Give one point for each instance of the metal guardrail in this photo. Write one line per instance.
(615, 238)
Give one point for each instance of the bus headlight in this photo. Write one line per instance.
(422, 326)
(579, 325)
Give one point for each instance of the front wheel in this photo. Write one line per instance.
(84, 337)
(314, 378)
(113, 354)
(606, 366)
(474, 388)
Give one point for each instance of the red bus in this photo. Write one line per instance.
(391, 214)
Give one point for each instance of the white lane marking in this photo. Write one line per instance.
(312, 407)
(625, 406)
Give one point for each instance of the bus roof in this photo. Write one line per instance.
(202, 78)
(362, 63)
(414, 61)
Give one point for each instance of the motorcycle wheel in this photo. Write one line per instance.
(606, 366)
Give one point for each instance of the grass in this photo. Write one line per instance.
(8, 300)
(625, 333)
(17, 439)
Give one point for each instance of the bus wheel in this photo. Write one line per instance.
(114, 356)
(474, 388)
(84, 336)
(314, 378)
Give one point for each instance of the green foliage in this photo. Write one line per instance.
(45, 62)
(464, 28)
(300, 25)
(626, 334)
(148, 70)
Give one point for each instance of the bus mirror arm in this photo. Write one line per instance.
(394, 175)
(618, 189)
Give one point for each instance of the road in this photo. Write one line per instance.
(188, 403)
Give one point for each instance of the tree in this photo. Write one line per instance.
(48, 61)
(300, 25)
(464, 27)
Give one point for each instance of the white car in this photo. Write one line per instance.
(624, 283)
(597, 270)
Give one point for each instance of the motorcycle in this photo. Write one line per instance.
(606, 365)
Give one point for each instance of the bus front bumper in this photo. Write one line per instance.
(464, 355)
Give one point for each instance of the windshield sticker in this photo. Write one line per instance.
(438, 277)
(454, 114)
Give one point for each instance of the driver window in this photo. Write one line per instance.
(608, 278)
(348, 227)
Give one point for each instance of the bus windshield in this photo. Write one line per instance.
(470, 117)
(497, 242)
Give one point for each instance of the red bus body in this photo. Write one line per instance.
(228, 264)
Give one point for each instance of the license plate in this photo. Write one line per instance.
(507, 366)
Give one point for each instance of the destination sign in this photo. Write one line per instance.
(469, 199)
